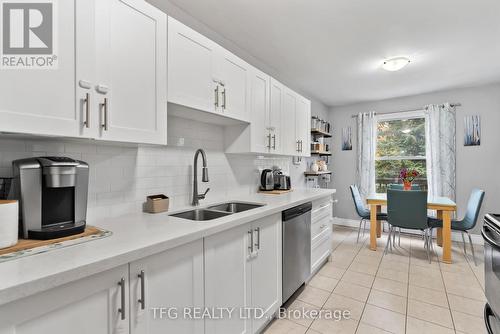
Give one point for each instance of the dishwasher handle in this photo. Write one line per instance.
(297, 211)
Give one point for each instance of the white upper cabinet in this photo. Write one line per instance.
(42, 101)
(203, 75)
(127, 70)
(114, 57)
(259, 112)
(233, 75)
(303, 125)
(296, 122)
(289, 140)
(277, 92)
(191, 58)
(173, 278)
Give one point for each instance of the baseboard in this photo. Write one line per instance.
(477, 239)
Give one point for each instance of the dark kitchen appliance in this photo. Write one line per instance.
(282, 181)
(296, 244)
(491, 235)
(267, 180)
(52, 192)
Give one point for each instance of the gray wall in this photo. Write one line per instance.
(477, 166)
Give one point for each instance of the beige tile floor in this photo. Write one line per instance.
(397, 293)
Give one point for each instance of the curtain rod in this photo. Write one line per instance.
(410, 110)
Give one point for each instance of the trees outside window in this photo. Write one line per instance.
(400, 143)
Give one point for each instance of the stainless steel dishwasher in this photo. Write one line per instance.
(296, 248)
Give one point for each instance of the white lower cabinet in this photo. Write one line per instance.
(243, 271)
(238, 269)
(165, 285)
(321, 232)
(90, 305)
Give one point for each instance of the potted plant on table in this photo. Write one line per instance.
(407, 176)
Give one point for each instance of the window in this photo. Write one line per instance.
(400, 143)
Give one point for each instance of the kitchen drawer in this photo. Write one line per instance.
(321, 209)
(321, 249)
(318, 226)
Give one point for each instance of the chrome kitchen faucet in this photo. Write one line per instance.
(204, 177)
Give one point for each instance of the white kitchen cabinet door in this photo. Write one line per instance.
(90, 305)
(288, 138)
(303, 125)
(234, 74)
(131, 69)
(266, 269)
(191, 61)
(171, 279)
(275, 115)
(227, 279)
(261, 140)
(42, 101)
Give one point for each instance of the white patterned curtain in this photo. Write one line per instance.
(366, 147)
(440, 128)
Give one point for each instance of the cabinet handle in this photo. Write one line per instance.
(216, 90)
(250, 248)
(298, 145)
(224, 98)
(104, 106)
(300, 141)
(121, 310)
(87, 110)
(269, 141)
(142, 300)
(257, 244)
(274, 142)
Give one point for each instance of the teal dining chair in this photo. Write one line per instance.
(399, 186)
(468, 222)
(362, 210)
(408, 210)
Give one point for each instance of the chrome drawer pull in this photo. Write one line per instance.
(258, 238)
(121, 310)
(87, 110)
(142, 300)
(105, 112)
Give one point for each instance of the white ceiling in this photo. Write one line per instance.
(333, 49)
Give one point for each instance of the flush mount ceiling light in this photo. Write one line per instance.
(395, 64)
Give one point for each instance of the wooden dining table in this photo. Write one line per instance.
(443, 206)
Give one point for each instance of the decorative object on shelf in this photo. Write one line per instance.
(322, 166)
(9, 223)
(315, 122)
(347, 139)
(407, 176)
(472, 130)
(314, 167)
(157, 203)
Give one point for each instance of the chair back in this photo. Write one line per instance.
(473, 208)
(399, 186)
(407, 209)
(358, 202)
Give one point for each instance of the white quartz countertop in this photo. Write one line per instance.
(135, 236)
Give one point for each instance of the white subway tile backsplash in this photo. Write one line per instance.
(122, 176)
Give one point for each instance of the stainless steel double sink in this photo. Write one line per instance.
(216, 211)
